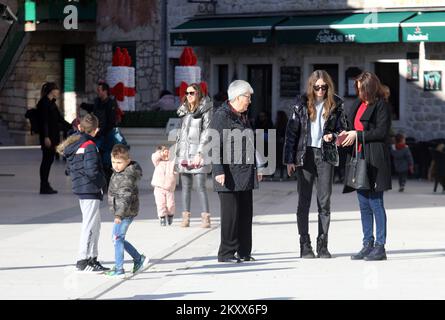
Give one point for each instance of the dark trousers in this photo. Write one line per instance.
(322, 173)
(236, 223)
(48, 155)
(403, 176)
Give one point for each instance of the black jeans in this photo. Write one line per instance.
(236, 223)
(48, 155)
(314, 169)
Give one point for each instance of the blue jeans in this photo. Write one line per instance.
(119, 232)
(371, 206)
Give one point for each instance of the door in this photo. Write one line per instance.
(332, 70)
(260, 78)
(388, 73)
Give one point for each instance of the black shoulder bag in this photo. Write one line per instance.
(357, 172)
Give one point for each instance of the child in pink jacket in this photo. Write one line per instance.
(164, 183)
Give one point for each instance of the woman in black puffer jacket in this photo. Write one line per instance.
(311, 151)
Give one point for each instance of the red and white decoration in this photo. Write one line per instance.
(121, 79)
(188, 72)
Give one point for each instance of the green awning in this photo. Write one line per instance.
(342, 28)
(224, 31)
(425, 26)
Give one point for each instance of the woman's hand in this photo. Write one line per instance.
(220, 179)
(198, 161)
(47, 142)
(350, 138)
(328, 137)
(117, 220)
(260, 177)
(291, 169)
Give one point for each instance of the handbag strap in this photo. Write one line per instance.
(363, 145)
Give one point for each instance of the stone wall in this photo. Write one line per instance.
(37, 64)
(419, 109)
(148, 74)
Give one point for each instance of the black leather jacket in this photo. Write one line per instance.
(297, 133)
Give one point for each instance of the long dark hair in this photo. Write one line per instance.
(329, 103)
(47, 88)
(371, 88)
(199, 96)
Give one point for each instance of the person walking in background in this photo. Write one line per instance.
(104, 108)
(49, 133)
(164, 183)
(310, 150)
(85, 168)
(370, 123)
(123, 200)
(196, 113)
(403, 160)
(236, 180)
(437, 169)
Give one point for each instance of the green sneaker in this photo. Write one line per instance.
(138, 266)
(115, 273)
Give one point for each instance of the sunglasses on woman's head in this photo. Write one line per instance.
(323, 87)
(190, 93)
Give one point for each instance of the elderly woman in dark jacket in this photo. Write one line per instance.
(196, 113)
(236, 177)
(311, 151)
(370, 121)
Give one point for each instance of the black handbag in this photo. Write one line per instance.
(356, 168)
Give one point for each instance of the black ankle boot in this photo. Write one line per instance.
(322, 247)
(306, 248)
(378, 253)
(367, 248)
(47, 189)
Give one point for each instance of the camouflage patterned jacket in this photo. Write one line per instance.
(123, 192)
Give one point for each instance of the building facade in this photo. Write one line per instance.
(290, 39)
(274, 45)
(75, 58)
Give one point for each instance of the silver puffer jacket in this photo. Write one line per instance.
(193, 135)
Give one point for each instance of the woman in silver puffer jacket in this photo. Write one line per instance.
(196, 113)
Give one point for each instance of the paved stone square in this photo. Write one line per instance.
(40, 234)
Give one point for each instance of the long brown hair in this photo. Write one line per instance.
(371, 88)
(329, 103)
(199, 96)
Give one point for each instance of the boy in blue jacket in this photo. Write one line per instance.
(85, 168)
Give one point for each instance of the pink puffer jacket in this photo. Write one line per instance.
(164, 175)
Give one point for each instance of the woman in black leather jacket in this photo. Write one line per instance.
(310, 149)
(52, 122)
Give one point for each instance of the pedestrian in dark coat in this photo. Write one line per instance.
(234, 180)
(104, 108)
(52, 123)
(438, 166)
(403, 160)
(370, 123)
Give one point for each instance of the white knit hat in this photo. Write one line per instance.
(237, 88)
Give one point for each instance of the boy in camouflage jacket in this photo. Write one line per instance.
(123, 200)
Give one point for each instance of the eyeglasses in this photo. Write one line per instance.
(323, 87)
(190, 93)
(247, 96)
